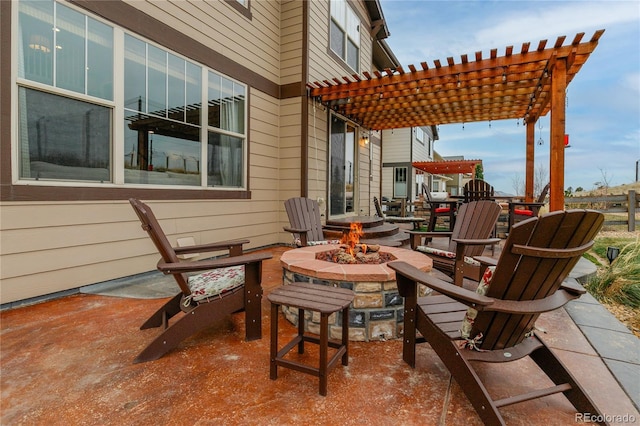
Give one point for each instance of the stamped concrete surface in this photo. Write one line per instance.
(69, 361)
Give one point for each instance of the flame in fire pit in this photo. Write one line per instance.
(352, 238)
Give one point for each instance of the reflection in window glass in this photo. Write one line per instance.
(135, 74)
(99, 60)
(226, 104)
(157, 74)
(80, 47)
(162, 136)
(342, 185)
(167, 155)
(225, 160)
(193, 93)
(69, 48)
(62, 138)
(36, 48)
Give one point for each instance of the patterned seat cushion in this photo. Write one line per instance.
(470, 316)
(298, 243)
(215, 282)
(447, 254)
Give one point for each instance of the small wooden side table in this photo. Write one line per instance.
(325, 300)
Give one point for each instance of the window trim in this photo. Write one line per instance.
(332, 53)
(121, 17)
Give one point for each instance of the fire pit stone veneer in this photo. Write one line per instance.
(377, 311)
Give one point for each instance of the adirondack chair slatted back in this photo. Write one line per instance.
(151, 225)
(478, 189)
(304, 213)
(378, 207)
(538, 255)
(476, 220)
(427, 193)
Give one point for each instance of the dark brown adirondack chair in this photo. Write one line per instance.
(521, 210)
(474, 225)
(438, 209)
(529, 279)
(210, 289)
(477, 189)
(305, 222)
(415, 221)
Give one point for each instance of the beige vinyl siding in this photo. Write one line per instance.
(253, 43)
(291, 42)
(65, 246)
(396, 147)
(387, 182)
(420, 149)
(290, 164)
(364, 187)
(376, 172)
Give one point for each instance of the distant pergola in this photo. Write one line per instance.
(447, 167)
(525, 85)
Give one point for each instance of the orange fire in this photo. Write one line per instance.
(352, 238)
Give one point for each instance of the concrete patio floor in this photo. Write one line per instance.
(69, 361)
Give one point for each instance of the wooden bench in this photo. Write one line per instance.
(313, 297)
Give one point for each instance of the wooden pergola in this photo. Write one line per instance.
(525, 85)
(447, 167)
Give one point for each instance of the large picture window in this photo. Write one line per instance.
(344, 33)
(342, 165)
(163, 107)
(184, 125)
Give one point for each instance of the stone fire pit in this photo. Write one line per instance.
(377, 310)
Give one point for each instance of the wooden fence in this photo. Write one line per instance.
(610, 204)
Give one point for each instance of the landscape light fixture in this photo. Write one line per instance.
(612, 253)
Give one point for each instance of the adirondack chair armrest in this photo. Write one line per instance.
(486, 261)
(461, 242)
(572, 285)
(527, 307)
(430, 234)
(203, 265)
(234, 246)
(410, 275)
(295, 230)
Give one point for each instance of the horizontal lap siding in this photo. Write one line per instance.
(291, 43)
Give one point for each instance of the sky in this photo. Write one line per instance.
(603, 99)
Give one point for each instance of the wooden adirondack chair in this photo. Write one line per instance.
(521, 210)
(210, 289)
(438, 209)
(413, 220)
(474, 225)
(529, 279)
(477, 189)
(305, 222)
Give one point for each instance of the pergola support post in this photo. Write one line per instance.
(530, 162)
(558, 115)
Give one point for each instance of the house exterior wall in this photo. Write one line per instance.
(58, 237)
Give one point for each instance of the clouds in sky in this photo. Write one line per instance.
(603, 100)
